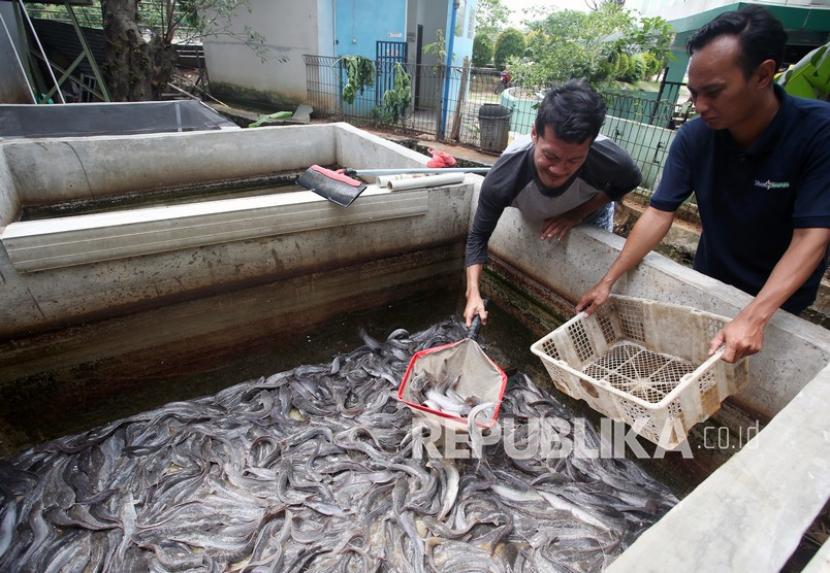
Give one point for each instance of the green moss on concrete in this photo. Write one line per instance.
(538, 315)
(249, 98)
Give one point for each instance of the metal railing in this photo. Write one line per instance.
(428, 110)
(445, 103)
(152, 14)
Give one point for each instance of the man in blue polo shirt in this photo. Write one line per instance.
(758, 162)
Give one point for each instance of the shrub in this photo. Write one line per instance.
(510, 43)
(482, 51)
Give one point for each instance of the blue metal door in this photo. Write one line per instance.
(345, 31)
(387, 54)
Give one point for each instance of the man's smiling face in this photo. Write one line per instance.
(557, 160)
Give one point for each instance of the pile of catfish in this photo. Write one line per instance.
(314, 470)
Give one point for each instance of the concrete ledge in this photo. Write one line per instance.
(99, 267)
(62, 169)
(38, 301)
(751, 513)
(328, 293)
(359, 149)
(68, 241)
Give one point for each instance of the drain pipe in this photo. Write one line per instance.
(446, 98)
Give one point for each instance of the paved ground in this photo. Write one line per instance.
(458, 151)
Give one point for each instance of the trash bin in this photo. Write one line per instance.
(494, 125)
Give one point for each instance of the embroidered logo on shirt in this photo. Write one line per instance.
(772, 184)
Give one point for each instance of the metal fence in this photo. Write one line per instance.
(151, 14)
(438, 105)
(643, 127)
(446, 102)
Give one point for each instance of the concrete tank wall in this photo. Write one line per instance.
(65, 295)
(358, 149)
(62, 169)
(311, 235)
(750, 514)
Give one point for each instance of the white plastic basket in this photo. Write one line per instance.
(645, 363)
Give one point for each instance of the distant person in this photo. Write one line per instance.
(564, 173)
(505, 79)
(758, 162)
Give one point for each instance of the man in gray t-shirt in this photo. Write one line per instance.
(563, 174)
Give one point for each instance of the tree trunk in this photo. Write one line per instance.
(134, 69)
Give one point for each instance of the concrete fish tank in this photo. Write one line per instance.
(185, 383)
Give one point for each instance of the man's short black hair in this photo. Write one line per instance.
(761, 35)
(573, 110)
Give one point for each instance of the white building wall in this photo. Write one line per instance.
(325, 27)
(412, 30)
(290, 30)
(432, 14)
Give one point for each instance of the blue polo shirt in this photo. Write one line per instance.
(751, 200)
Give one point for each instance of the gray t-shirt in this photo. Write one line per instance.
(513, 182)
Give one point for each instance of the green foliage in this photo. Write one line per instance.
(360, 74)
(216, 18)
(636, 69)
(396, 100)
(533, 40)
(620, 65)
(491, 18)
(510, 44)
(598, 4)
(810, 76)
(653, 35)
(482, 51)
(653, 65)
(610, 43)
(438, 48)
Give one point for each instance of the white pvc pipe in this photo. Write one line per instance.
(427, 181)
